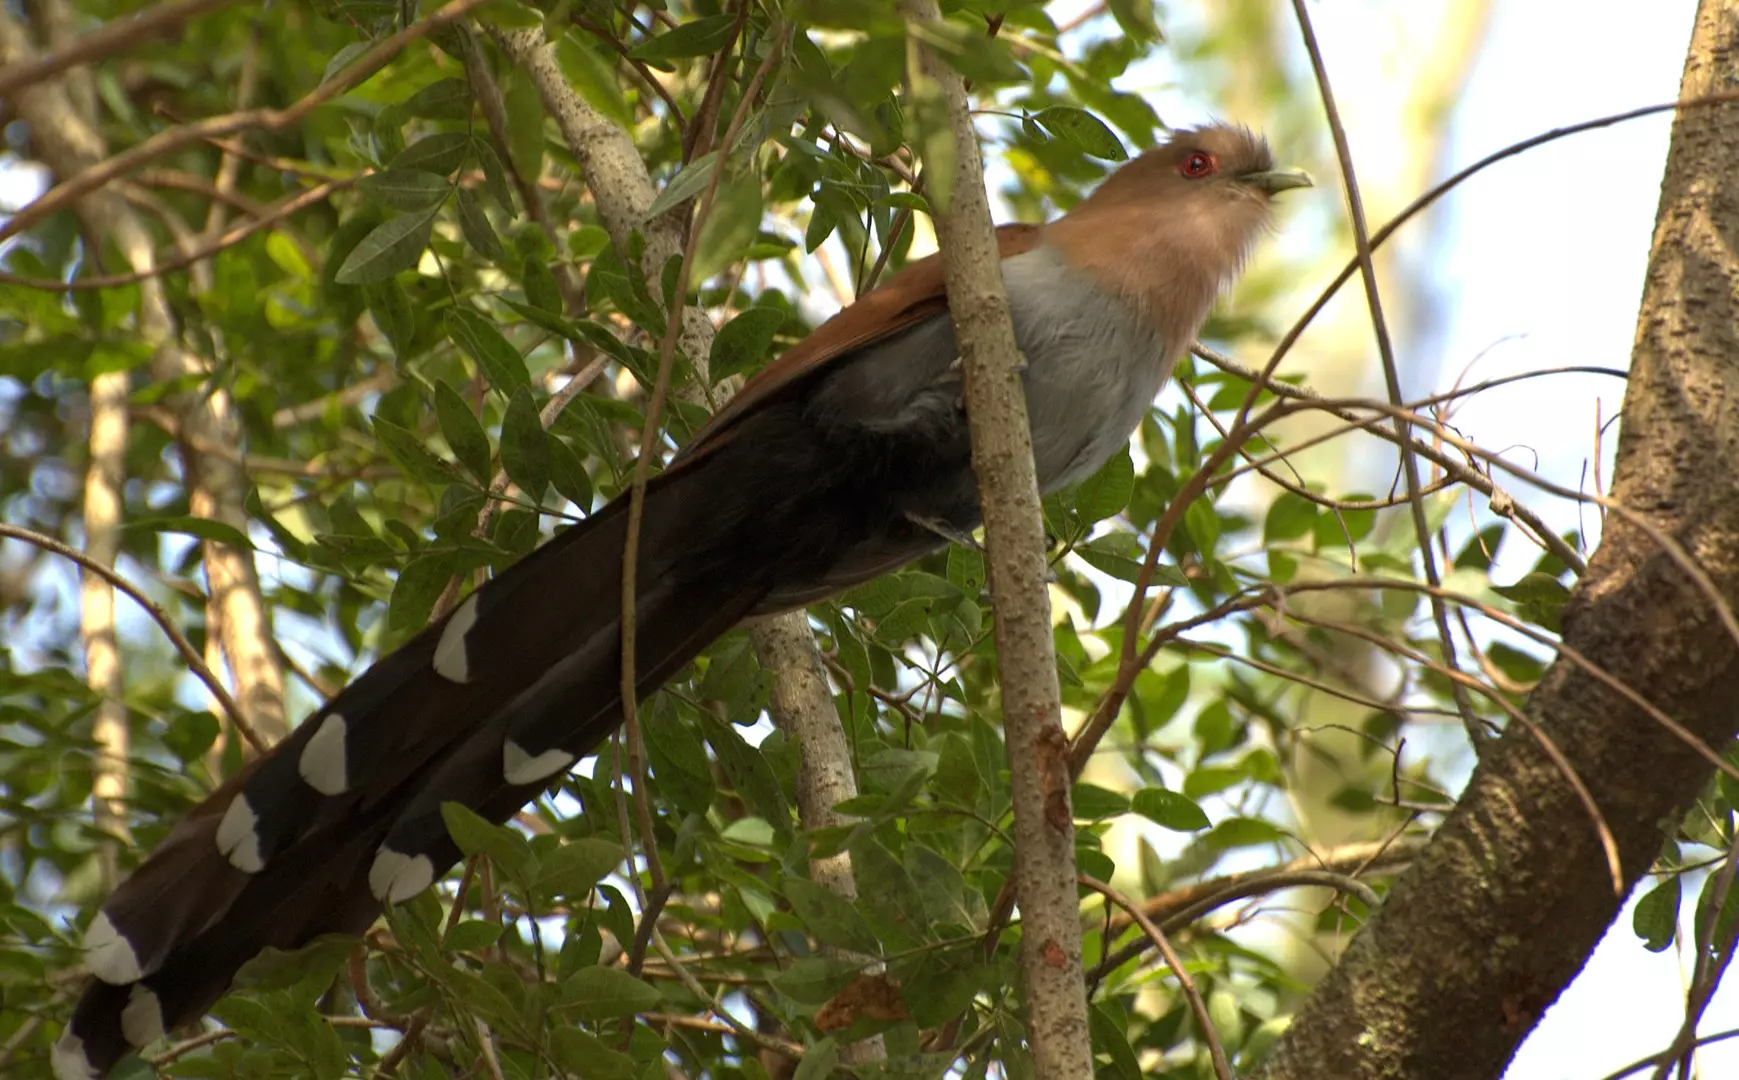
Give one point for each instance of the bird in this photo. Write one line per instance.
(845, 458)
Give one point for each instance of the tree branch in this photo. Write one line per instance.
(1002, 459)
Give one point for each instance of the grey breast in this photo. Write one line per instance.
(1093, 367)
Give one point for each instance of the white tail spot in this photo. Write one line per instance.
(395, 878)
(451, 661)
(520, 767)
(236, 837)
(322, 762)
(109, 955)
(142, 1019)
(69, 1060)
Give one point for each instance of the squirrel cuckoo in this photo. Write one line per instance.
(845, 458)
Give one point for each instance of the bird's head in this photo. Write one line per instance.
(1177, 222)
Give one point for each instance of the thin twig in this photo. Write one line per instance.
(114, 36)
(1222, 1067)
(637, 492)
(195, 663)
(1477, 733)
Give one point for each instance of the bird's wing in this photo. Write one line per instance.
(912, 294)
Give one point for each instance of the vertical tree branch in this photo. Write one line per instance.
(1502, 908)
(1002, 459)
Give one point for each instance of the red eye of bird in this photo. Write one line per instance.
(1197, 165)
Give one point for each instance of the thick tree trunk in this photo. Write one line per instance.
(1501, 910)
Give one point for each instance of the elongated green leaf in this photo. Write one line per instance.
(474, 223)
(499, 361)
(394, 245)
(701, 37)
(1082, 130)
(1169, 809)
(599, 993)
(444, 99)
(412, 456)
(204, 528)
(408, 190)
(687, 184)
(742, 343)
(440, 153)
(540, 285)
(830, 917)
(463, 433)
(525, 450)
(476, 836)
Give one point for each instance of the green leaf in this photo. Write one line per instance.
(741, 343)
(189, 525)
(732, 225)
(1169, 809)
(474, 223)
(391, 309)
(572, 869)
(822, 221)
(407, 190)
(342, 58)
(499, 361)
(580, 1053)
(748, 771)
(815, 980)
(463, 433)
(1092, 802)
(833, 919)
(445, 99)
(1107, 491)
(1289, 517)
(525, 123)
(394, 245)
(540, 286)
(1539, 598)
(567, 472)
(412, 456)
(1243, 832)
(678, 756)
(494, 176)
(416, 589)
(1082, 130)
(441, 153)
(685, 185)
(472, 934)
(601, 993)
(525, 450)
(1110, 1037)
(699, 37)
(476, 836)
(818, 1061)
(1656, 918)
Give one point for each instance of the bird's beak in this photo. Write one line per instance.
(1274, 181)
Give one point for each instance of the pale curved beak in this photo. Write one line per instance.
(1274, 181)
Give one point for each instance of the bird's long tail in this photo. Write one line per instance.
(484, 708)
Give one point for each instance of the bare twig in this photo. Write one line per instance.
(1222, 1067)
(188, 653)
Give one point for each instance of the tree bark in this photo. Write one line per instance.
(1008, 493)
(1504, 906)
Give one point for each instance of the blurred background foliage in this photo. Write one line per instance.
(442, 358)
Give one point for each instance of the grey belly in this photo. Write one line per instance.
(1092, 368)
